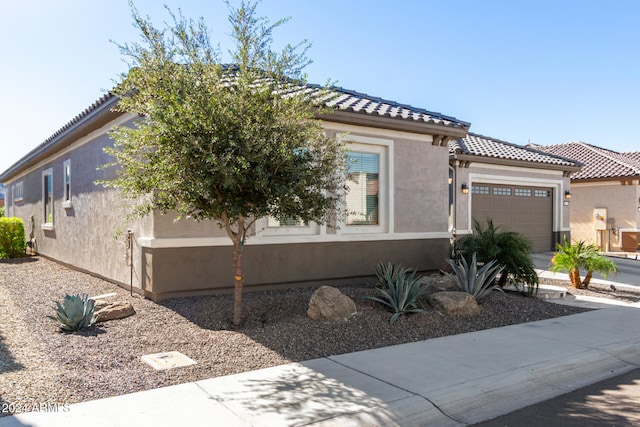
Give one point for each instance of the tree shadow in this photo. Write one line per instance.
(22, 260)
(8, 363)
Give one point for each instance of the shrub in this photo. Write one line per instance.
(473, 281)
(570, 258)
(75, 313)
(399, 289)
(2, 212)
(12, 239)
(509, 249)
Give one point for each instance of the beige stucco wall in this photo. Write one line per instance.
(621, 201)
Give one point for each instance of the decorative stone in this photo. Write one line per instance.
(440, 282)
(328, 303)
(454, 303)
(112, 310)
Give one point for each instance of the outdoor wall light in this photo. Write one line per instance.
(464, 189)
(567, 194)
(450, 180)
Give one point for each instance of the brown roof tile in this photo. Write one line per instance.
(599, 163)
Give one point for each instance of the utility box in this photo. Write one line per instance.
(600, 218)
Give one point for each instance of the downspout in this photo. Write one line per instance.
(128, 256)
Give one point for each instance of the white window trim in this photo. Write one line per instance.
(384, 148)
(263, 229)
(66, 198)
(46, 225)
(18, 191)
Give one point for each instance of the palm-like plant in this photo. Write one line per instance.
(571, 258)
(509, 249)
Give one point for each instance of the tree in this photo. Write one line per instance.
(580, 255)
(230, 143)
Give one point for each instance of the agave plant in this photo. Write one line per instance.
(75, 313)
(473, 281)
(399, 289)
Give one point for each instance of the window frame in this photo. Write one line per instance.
(384, 149)
(47, 193)
(17, 191)
(66, 184)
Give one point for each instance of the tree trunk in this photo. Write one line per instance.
(575, 278)
(503, 279)
(238, 247)
(587, 279)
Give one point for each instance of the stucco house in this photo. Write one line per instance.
(521, 189)
(605, 195)
(403, 155)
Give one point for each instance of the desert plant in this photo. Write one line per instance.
(473, 281)
(75, 313)
(399, 289)
(12, 240)
(570, 258)
(509, 249)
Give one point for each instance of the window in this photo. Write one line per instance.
(17, 192)
(363, 197)
(523, 192)
(66, 200)
(47, 196)
(501, 191)
(542, 193)
(480, 189)
(288, 222)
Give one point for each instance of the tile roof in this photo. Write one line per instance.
(599, 163)
(337, 97)
(484, 146)
(635, 155)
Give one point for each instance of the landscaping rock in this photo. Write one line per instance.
(440, 282)
(454, 303)
(328, 303)
(112, 310)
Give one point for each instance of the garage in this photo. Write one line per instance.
(526, 210)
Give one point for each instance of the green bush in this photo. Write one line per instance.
(473, 281)
(2, 212)
(580, 255)
(399, 289)
(511, 251)
(12, 238)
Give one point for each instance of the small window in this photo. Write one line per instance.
(362, 180)
(542, 193)
(17, 192)
(47, 196)
(523, 192)
(480, 189)
(66, 200)
(501, 191)
(287, 222)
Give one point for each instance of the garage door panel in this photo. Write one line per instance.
(526, 210)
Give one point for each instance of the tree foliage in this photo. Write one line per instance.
(232, 143)
(580, 255)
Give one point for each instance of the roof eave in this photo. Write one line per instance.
(471, 158)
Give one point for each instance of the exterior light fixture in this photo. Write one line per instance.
(450, 180)
(567, 194)
(464, 189)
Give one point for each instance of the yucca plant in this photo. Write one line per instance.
(75, 313)
(473, 281)
(399, 289)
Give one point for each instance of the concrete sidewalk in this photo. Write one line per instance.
(449, 381)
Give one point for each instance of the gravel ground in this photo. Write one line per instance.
(41, 365)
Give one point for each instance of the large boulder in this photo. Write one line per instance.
(112, 310)
(440, 282)
(328, 303)
(454, 303)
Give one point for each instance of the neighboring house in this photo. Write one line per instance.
(1, 196)
(521, 189)
(400, 192)
(605, 195)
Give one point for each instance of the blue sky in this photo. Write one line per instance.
(542, 71)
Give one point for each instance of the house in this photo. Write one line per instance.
(403, 200)
(605, 195)
(521, 189)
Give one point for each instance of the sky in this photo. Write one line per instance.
(544, 72)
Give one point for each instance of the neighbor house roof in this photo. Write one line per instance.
(635, 155)
(348, 105)
(599, 163)
(485, 149)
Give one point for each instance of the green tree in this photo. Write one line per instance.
(580, 255)
(228, 143)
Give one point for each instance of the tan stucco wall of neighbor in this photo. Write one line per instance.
(477, 172)
(621, 202)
